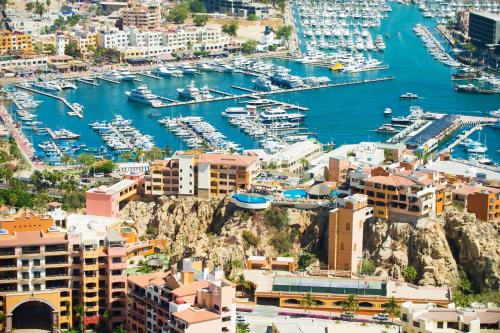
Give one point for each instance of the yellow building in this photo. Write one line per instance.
(12, 41)
(345, 233)
(34, 276)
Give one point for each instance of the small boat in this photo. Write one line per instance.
(386, 129)
(387, 111)
(408, 95)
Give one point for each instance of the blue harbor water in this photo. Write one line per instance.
(346, 114)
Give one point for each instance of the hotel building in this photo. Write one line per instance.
(143, 16)
(427, 318)
(401, 194)
(105, 201)
(485, 203)
(12, 41)
(201, 174)
(35, 273)
(198, 38)
(345, 233)
(187, 302)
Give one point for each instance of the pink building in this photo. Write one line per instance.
(105, 201)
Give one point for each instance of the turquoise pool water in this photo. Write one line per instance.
(296, 193)
(247, 198)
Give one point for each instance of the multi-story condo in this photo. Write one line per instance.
(484, 28)
(145, 38)
(345, 233)
(402, 194)
(239, 7)
(428, 318)
(195, 38)
(13, 41)
(485, 203)
(143, 16)
(112, 39)
(99, 262)
(187, 302)
(35, 290)
(201, 174)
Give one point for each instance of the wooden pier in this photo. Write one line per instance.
(92, 83)
(149, 75)
(223, 93)
(278, 91)
(109, 80)
(74, 112)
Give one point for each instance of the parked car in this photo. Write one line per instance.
(381, 316)
(347, 316)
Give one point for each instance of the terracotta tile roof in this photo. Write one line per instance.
(189, 289)
(228, 159)
(28, 238)
(194, 315)
(147, 279)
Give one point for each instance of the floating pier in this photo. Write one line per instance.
(74, 112)
(87, 81)
(220, 92)
(109, 80)
(149, 75)
(461, 138)
(278, 91)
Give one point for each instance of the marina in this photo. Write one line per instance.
(331, 114)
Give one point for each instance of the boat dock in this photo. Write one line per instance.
(74, 112)
(108, 80)
(149, 75)
(92, 83)
(223, 93)
(460, 138)
(260, 94)
(166, 99)
(244, 89)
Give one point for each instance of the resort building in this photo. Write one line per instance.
(330, 294)
(13, 41)
(99, 263)
(196, 39)
(34, 273)
(485, 203)
(201, 174)
(139, 38)
(345, 233)
(241, 8)
(287, 264)
(428, 318)
(186, 302)
(105, 201)
(404, 195)
(338, 169)
(484, 29)
(112, 39)
(296, 156)
(143, 16)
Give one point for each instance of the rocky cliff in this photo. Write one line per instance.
(214, 230)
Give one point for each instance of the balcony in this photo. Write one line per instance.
(5, 252)
(54, 250)
(89, 254)
(31, 250)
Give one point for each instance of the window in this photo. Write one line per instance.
(341, 246)
(347, 226)
(440, 324)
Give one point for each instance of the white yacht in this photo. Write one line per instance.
(127, 75)
(239, 112)
(143, 95)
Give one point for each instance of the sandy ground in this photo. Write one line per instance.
(21, 4)
(250, 29)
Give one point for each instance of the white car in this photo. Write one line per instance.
(381, 317)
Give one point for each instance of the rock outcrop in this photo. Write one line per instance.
(213, 231)
(476, 246)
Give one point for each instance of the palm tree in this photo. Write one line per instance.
(139, 153)
(168, 151)
(242, 327)
(126, 156)
(308, 302)
(351, 305)
(243, 283)
(66, 159)
(80, 313)
(392, 308)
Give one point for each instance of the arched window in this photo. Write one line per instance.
(347, 226)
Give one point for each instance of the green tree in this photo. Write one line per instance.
(50, 49)
(242, 327)
(126, 156)
(367, 266)
(178, 14)
(392, 308)
(200, 20)
(250, 238)
(139, 154)
(39, 8)
(277, 218)
(306, 259)
(72, 50)
(120, 329)
(281, 5)
(284, 32)
(168, 151)
(461, 300)
(230, 28)
(308, 301)
(105, 166)
(249, 46)
(40, 201)
(79, 312)
(66, 159)
(281, 242)
(252, 17)
(351, 304)
(197, 6)
(409, 274)
(47, 3)
(29, 6)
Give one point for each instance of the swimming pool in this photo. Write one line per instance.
(248, 198)
(250, 201)
(296, 193)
